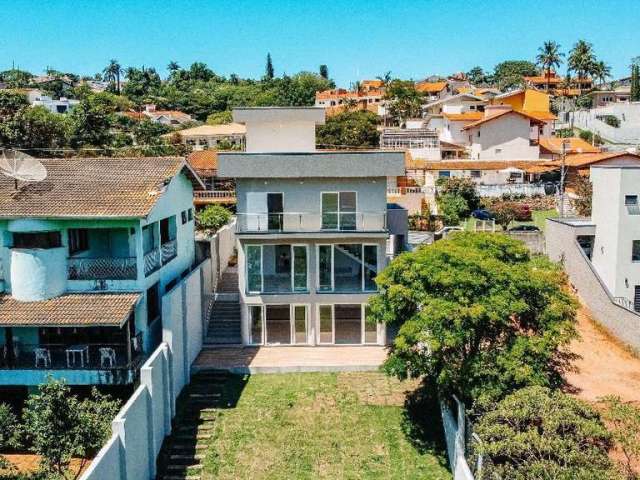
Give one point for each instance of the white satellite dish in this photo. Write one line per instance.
(26, 169)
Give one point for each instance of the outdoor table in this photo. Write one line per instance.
(73, 351)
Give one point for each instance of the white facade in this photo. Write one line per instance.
(505, 138)
(616, 215)
(63, 105)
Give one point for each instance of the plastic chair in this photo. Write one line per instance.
(107, 356)
(43, 355)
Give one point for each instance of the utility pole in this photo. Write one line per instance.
(563, 167)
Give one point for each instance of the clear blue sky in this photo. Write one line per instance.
(355, 39)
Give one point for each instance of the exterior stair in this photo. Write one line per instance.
(224, 320)
(183, 452)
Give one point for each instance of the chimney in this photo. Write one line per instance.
(491, 110)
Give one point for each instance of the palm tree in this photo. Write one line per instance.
(549, 57)
(581, 60)
(173, 66)
(112, 74)
(601, 71)
(385, 78)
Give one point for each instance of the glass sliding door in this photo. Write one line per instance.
(370, 253)
(330, 211)
(348, 324)
(300, 268)
(347, 269)
(325, 268)
(278, 324)
(254, 268)
(276, 268)
(275, 209)
(347, 217)
(370, 327)
(325, 313)
(300, 324)
(255, 325)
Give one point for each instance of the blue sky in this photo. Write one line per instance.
(355, 39)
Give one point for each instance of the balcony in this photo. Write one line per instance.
(169, 251)
(311, 222)
(152, 261)
(205, 197)
(102, 268)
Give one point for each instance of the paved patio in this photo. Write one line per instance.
(252, 360)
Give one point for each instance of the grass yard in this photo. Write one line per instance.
(538, 219)
(326, 426)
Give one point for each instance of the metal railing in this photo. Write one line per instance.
(624, 302)
(108, 268)
(152, 261)
(311, 222)
(169, 251)
(495, 190)
(99, 356)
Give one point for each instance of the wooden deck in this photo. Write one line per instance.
(291, 359)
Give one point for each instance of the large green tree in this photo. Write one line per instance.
(510, 73)
(536, 433)
(477, 316)
(404, 101)
(111, 73)
(581, 60)
(349, 129)
(549, 57)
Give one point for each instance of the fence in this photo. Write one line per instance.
(562, 246)
(143, 422)
(454, 433)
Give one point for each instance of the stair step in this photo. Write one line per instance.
(199, 436)
(183, 447)
(174, 466)
(179, 477)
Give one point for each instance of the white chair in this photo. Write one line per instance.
(43, 355)
(107, 356)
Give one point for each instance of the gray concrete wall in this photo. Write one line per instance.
(533, 240)
(561, 246)
(145, 420)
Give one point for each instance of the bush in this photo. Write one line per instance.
(587, 136)
(506, 212)
(611, 120)
(535, 433)
(585, 101)
(212, 218)
(9, 433)
(453, 208)
(462, 187)
(564, 132)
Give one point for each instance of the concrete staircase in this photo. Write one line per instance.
(224, 321)
(183, 452)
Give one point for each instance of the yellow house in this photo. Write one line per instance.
(527, 100)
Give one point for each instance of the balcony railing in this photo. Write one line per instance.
(213, 195)
(103, 356)
(102, 268)
(152, 261)
(169, 251)
(311, 222)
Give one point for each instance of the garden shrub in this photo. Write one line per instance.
(212, 218)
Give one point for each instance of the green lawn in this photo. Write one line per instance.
(538, 219)
(326, 426)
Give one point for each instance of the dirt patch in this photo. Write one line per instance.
(377, 389)
(28, 463)
(604, 366)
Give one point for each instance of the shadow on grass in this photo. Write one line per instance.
(422, 423)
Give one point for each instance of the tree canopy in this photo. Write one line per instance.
(349, 129)
(509, 74)
(478, 316)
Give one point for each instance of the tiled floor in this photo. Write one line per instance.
(291, 359)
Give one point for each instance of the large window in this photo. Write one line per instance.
(347, 267)
(635, 251)
(276, 268)
(346, 324)
(78, 240)
(37, 240)
(339, 210)
(278, 324)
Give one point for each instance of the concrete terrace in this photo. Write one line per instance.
(243, 360)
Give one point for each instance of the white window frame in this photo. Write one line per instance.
(292, 272)
(262, 327)
(246, 268)
(333, 323)
(364, 320)
(333, 280)
(338, 192)
(293, 275)
(307, 309)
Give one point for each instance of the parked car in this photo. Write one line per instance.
(524, 228)
(445, 231)
(481, 214)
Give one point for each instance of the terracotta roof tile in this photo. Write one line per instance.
(525, 165)
(69, 310)
(499, 115)
(584, 159)
(466, 116)
(93, 187)
(576, 145)
(203, 161)
(431, 87)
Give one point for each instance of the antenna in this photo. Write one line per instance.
(23, 168)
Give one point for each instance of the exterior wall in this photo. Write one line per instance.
(38, 274)
(510, 134)
(452, 132)
(278, 137)
(313, 298)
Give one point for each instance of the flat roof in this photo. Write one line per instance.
(246, 115)
(324, 164)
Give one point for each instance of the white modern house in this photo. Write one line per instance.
(62, 105)
(85, 256)
(312, 231)
(204, 137)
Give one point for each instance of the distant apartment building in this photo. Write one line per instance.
(312, 230)
(85, 257)
(171, 118)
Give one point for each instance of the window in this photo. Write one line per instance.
(478, 133)
(190, 214)
(476, 174)
(183, 215)
(370, 327)
(326, 324)
(347, 267)
(37, 240)
(276, 268)
(153, 303)
(635, 251)
(630, 200)
(167, 229)
(346, 324)
(255, 313)
(498, 151)
(339, 210)
(78, 240)
(444, 173)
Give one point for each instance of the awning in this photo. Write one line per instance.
(69, 310)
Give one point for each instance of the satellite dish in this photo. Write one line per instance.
(24, 168)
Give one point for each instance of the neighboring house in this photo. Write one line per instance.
(453, 124)
(171, 118)
(610, 239)
(86, 256)
(531, 102)
(204, 137)
(603, 98)
(554, 84)
(369, 97)
(422, 142)
(433, 90)
(460, 103)
(62, 105)
(504, 134)
(312, 229)
(551, 147)
(217, 190)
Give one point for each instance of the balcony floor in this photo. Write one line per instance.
(243, 360)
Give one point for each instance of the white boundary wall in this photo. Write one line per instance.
(145, 420)
(221, 248)
(455, 436)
